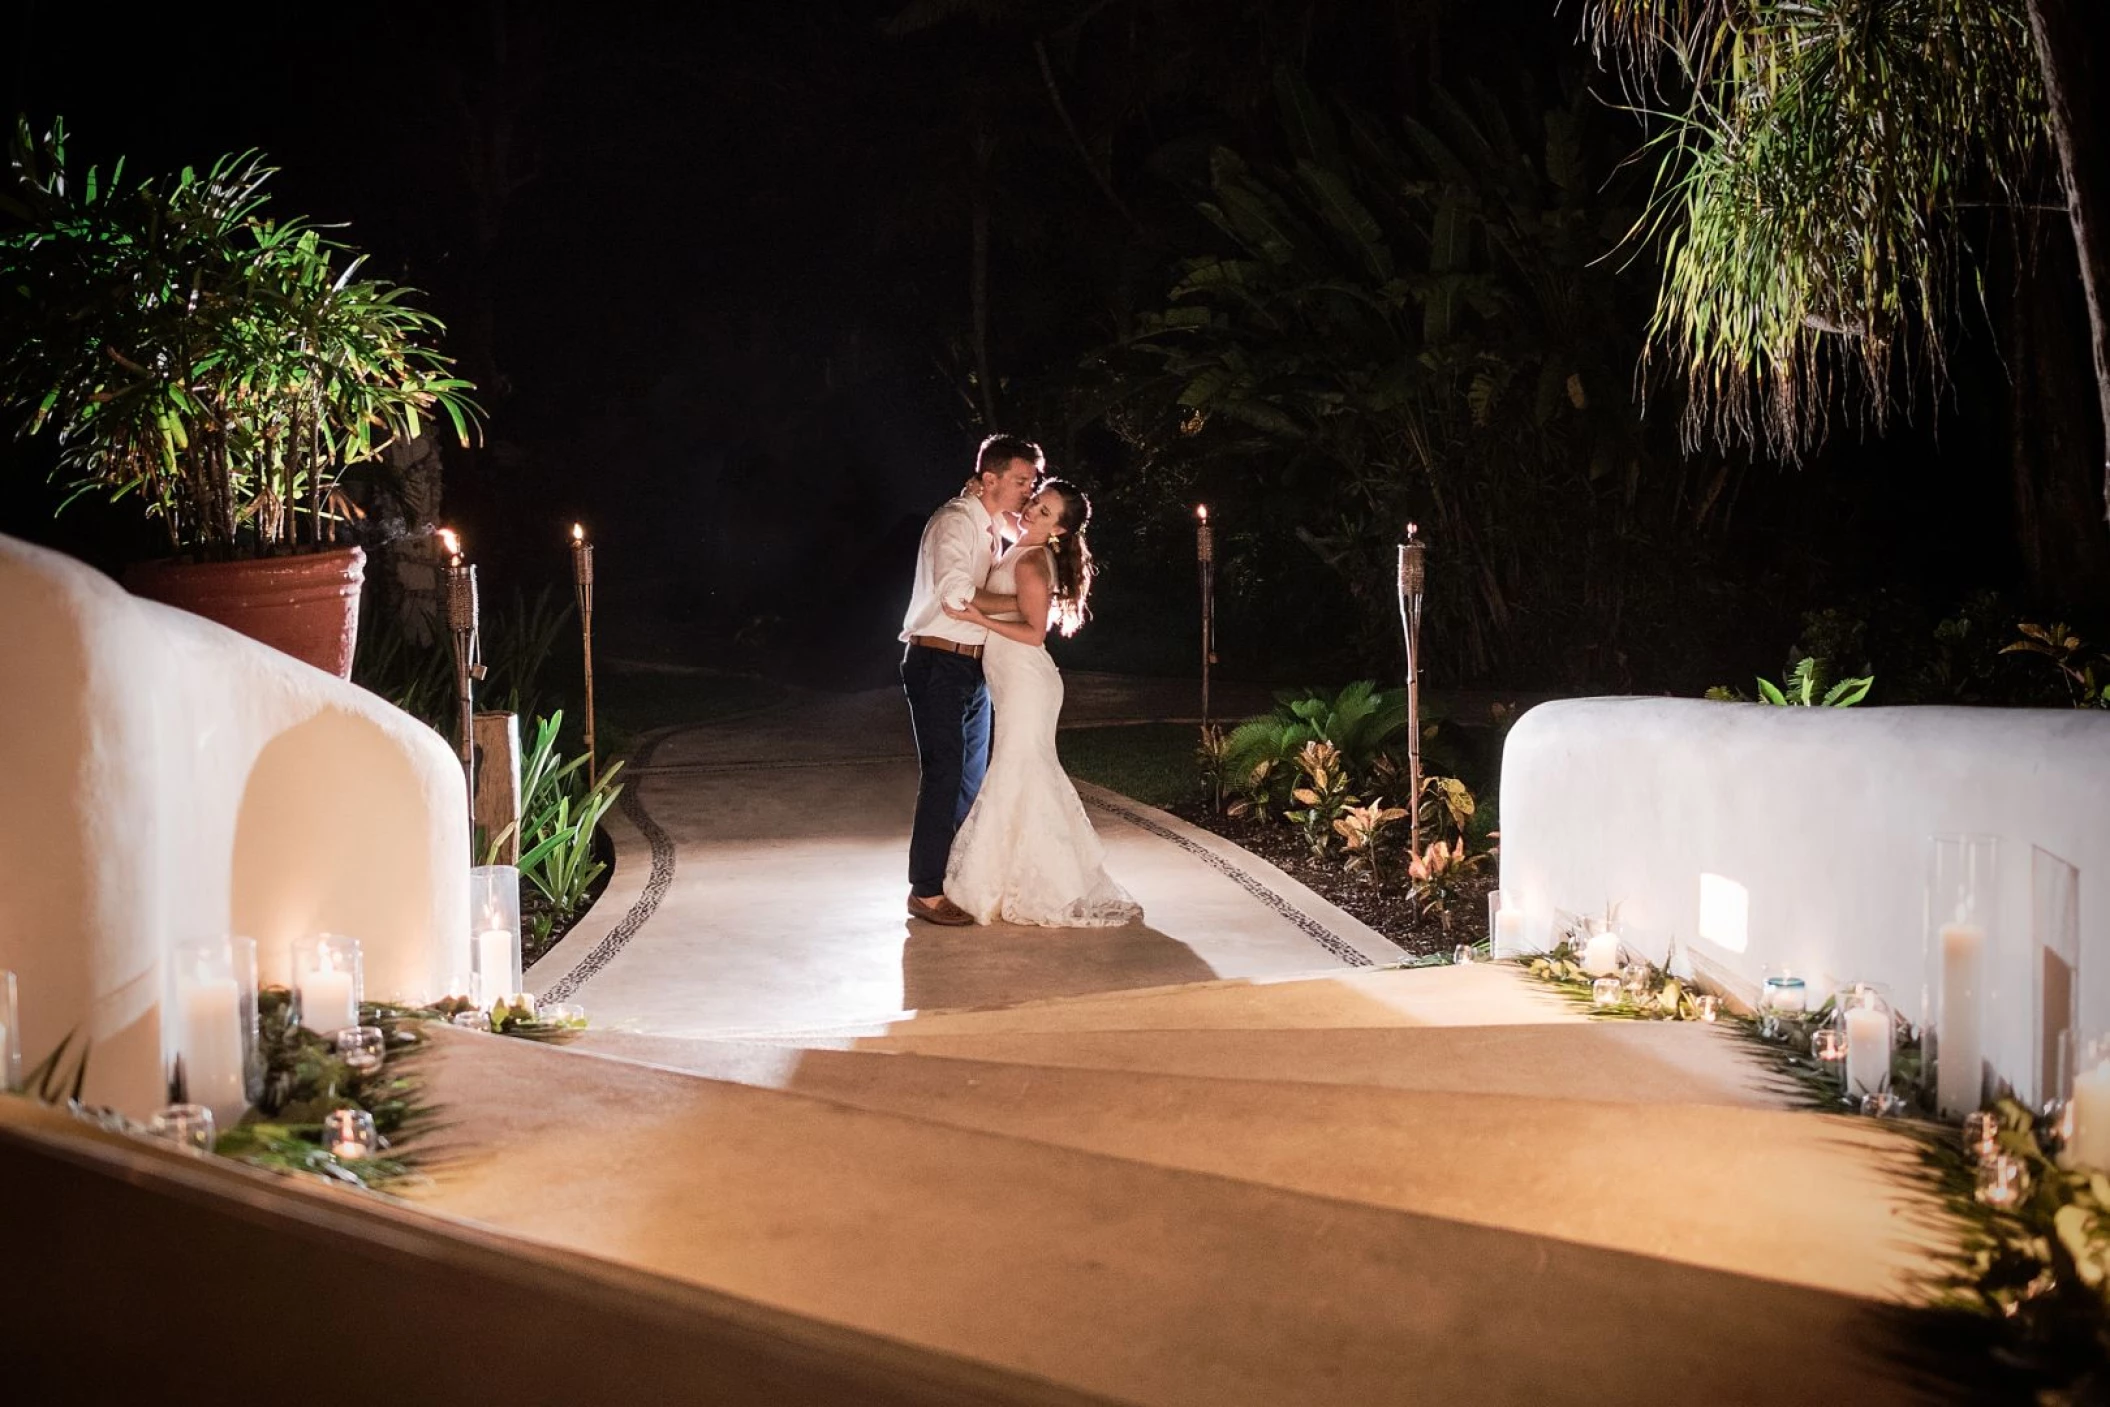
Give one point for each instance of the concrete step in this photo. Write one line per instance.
(1144, 1283)
(1815, 1203)
(1474, 994)
(1620, 1062)
(1631, 1062)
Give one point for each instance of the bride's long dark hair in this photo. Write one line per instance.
(1072, 557)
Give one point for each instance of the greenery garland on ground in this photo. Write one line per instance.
(305, 1079)
(2034, 1275)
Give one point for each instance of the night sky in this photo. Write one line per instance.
(710, 266)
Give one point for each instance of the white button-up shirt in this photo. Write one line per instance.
(952, 563)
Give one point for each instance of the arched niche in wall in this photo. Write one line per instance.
(332, 837)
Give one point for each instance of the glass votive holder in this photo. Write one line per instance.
(1708, 1007)
(2055, 1129)
(562, 1014)
(1785, 992)
(349, 1133)
(1606, 991)
(362, 1048)
(1882, 1104)
(471, 1020)
(188, 1126)
(2002, 1181)
(522, 1003)
(1828, 1049)
(1981, 1135)
(1462, 955)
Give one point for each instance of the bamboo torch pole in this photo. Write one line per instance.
(1205, 556)
(468, 665)
(1413, 580)
(582, 586)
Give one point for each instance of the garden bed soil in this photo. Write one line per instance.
(1392, 910)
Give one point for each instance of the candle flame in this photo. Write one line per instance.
(450, 540)
(578, 533)
(1201, 511)
(1413, 528)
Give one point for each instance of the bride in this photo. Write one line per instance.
(1026, 852)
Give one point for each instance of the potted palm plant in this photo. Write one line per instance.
(217, 367)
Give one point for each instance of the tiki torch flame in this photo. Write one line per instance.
(578, 533)
(450, 540)
(1201, 511)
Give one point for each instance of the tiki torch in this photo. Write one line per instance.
(582, 586)
(1413, 579)
(468, 665)
(1205, 555)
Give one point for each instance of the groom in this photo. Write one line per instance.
(941, 670)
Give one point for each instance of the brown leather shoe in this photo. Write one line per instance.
(938, 909)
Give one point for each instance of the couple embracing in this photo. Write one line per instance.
(1000, 835)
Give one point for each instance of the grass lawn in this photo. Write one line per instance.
(1152, 762)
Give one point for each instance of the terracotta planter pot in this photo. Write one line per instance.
(306, 605)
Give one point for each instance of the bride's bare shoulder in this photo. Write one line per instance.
(1034, 560)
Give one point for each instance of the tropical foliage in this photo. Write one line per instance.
(1414, 319)
(1813, 165)
(561, 813)
(219, 367)
(2087, 679)
(1312, 762)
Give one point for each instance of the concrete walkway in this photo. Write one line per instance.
(760, 880)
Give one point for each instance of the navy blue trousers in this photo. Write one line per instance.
(949, 706)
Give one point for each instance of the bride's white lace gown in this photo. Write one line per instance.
(1026, 852)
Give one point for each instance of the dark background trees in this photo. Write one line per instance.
(742, 284)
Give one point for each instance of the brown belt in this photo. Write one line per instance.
(950, 647)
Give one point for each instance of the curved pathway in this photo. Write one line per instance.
(759, 884)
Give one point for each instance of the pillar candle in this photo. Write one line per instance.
(327, 1001)
(1509, 933)
(209, 1041)
(1601, 954)
(2089, 1147)
(494, 965)
(1867, 1049)
(1959, 1043)
(6, 1039)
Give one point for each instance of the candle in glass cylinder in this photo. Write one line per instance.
(210, 1045)
(1867, 1049)
(1959, 1050)
(494, 964)
(328, 1001)
(2089, 1144)
(10, 1040)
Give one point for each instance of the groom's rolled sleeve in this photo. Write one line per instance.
(952, 558)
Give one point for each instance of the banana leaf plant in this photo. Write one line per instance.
(221, 368)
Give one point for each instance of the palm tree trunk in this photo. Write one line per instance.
(978, 278)
(2074, 54)
(1100, 177)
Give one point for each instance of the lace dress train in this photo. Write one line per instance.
(1027, 852)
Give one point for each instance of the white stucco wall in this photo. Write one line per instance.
(1824, 816)
(163, 778)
